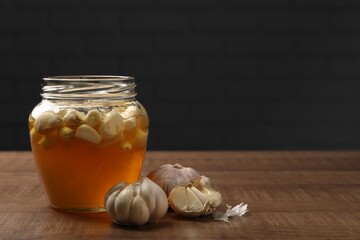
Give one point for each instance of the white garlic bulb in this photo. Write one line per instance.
(136, 204)
(168, 176)
(194, 198)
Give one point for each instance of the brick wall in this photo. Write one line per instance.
(213, 74)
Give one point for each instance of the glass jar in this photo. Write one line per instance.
(87, 134)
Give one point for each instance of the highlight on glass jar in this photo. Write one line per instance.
(87, 134)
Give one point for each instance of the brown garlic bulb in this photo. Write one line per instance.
(169, 176)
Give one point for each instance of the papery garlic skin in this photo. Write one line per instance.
(194, 198)
(136, 204)
(168, 176)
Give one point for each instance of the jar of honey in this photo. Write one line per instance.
(87, 134)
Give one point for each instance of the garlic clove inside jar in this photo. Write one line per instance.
(46, 122)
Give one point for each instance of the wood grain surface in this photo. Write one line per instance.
(291, 195)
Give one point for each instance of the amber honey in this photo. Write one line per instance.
(84, 144)
(76, 174)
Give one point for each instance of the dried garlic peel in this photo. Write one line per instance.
(238, 210)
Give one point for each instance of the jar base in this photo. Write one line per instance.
(80, 210)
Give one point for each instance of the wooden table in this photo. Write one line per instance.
(291, 195)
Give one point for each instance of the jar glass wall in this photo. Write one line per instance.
(87, 134)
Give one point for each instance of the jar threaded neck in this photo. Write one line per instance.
(80, 87)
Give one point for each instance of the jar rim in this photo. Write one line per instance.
(88, 87)
(87, 78)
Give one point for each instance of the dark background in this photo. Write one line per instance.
(213, 74)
